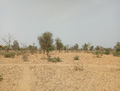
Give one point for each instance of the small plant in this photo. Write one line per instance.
(9, 55)
(1, 78)
(19, 53)
(79, 68)
(76, 58)
(55, 59)
(25, 57)
(99, 54)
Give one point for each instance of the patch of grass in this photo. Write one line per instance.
(79, 68)
(9, 55)
(76, 58)
(55, 59)
(1, 78)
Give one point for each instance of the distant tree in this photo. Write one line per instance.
(91, 48)
(1, 46)
(58, 43)
(15, 45)
(85, 47)
(45, 41)
(97, 48)
(8, 39)
(117, 47)
(75, 47)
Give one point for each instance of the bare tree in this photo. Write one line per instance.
(7, 39)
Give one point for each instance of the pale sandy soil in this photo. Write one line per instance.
(37, 74)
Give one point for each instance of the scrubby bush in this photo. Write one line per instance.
(19, 53)
(76, 58)
(98, 53)
(25, 57)
(55, 59)
(1, 78)
(107, 51)
(9, 55)
(116, 54)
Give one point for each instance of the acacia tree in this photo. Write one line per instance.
(75, 46)
(117, 47)
(85, 47)
(8, 39)
(15, 45)
(58, 43)
(45, 41)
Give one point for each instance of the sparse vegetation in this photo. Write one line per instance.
(55, 59)
(79, 68)
(1, 78)
(9, 55)
(45, 41)
(76, 58)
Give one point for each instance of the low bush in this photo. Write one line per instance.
(55, 59)
(1, 78)
(107, 51)
(76, 58)
(116, 54)
(9, 55)
(19, 53)
(25, 57)
(98, 53)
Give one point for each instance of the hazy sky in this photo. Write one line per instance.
(74, 21)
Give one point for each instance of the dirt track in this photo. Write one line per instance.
(99, 74)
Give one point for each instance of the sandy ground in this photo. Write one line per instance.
(37, 74)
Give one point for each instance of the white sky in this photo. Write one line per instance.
(74, 21)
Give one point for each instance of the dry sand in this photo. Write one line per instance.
(37, 74)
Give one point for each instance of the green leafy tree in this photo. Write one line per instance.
(75, 47)
(58, 43)
(45, 41)
(85, 47)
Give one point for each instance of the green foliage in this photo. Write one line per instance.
(116, 54)
(91, 48)
(76, 58)
(55, 59)
(97, 48)
(98, 53)
(19, 53)
(45, 40)
(79, 68)
(15, 45)
(25, 57)
(1, 78)
(107, 51)
(86, 46)
(9, 55)
(58, 43)
(75, 47)
(117, 47)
